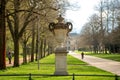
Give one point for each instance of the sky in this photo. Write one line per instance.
(81, 15)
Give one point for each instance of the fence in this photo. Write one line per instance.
(116, 77)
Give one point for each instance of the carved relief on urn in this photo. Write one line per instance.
(60, 29)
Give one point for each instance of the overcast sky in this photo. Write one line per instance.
(80, 16)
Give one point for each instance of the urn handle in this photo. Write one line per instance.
(51, 26)
(70, 26)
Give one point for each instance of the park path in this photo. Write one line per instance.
(9, 65)
(104, 64)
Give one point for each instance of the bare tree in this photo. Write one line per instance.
(102, 29)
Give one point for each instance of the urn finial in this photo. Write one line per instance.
(60, 19)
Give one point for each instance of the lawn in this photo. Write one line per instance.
(115, 57)
(47, 67)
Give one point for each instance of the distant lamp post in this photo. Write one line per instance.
(60, 31)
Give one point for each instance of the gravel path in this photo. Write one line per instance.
(104, 64)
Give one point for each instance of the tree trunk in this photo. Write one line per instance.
(33, 43)
(44, 48)
(105, 50)
(41, 48)
(101, 25)
(48, 48)
(25, 54)
(16, 52)
(16, 34)
(2, 35)
(36, 46)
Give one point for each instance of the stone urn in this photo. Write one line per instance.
(60, 31)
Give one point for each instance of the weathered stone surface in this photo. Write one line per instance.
(61, 61)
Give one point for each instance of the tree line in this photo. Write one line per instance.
(101, 33)
(25, 23)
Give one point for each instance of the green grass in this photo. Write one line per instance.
(115, 57)
(47, 66)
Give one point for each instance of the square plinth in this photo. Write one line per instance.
(61, 63)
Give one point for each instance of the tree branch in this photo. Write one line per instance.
(10, 26)
(24, 11)
(25, 25)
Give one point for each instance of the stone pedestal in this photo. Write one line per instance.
(61, 61)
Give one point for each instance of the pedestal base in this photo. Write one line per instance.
(61, 73)
(61, 62)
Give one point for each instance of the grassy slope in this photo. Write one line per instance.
(47, 67)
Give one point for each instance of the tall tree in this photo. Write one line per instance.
(33, 42)
(25, 38)
(16, 28)
(101, 24)
(26, 8)
(2, 35)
